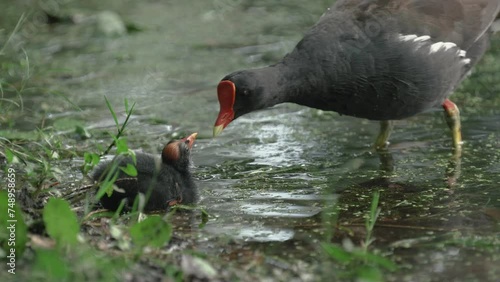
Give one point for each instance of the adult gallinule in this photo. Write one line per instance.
(164, 182)
(376, 59)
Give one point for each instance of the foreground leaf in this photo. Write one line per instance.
(14, 230)
(153, 232)
(61, 222)
(51, 264)
(337, 253)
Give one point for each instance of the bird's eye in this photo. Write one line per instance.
(245, 92)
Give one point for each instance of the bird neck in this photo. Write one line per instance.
(313, 81)
(269, 85)
(297, 82)
(292, 80)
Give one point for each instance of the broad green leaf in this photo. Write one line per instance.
(153, 231)
(121, 146)
(130, 170)
(61, 222)
(90, 161)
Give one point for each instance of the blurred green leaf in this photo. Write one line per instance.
(133, 27)
(51, 264)
(9, 155)
(106, 186)
(374, 212)
(15, 134)
(368, 273)
(121, 146)
(375, 259)
(337, 253)
(11, 220)
(130, 170)
(66, 123)
(125, 101)
(82, 132)
(204, 218)
(61, 222)
(153, 231)
(90, 161)
(112, 112)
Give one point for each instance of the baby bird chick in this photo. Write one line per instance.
(164, 182)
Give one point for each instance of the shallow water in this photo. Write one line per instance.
(270, 179)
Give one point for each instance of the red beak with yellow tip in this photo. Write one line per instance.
(226, 92)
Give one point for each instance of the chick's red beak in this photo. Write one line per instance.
(226, 92)
(190, 140)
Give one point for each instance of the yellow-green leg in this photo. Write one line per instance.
(452, 116)
(382, 141)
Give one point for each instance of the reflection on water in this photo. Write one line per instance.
(284, 210)
(251, 233)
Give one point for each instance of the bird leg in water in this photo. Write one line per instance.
(452, 116)
(453, 171)
(386, 163)
(382, 141)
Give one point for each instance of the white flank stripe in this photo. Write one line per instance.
(436, 47)
(407, 37)
(422, 38)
